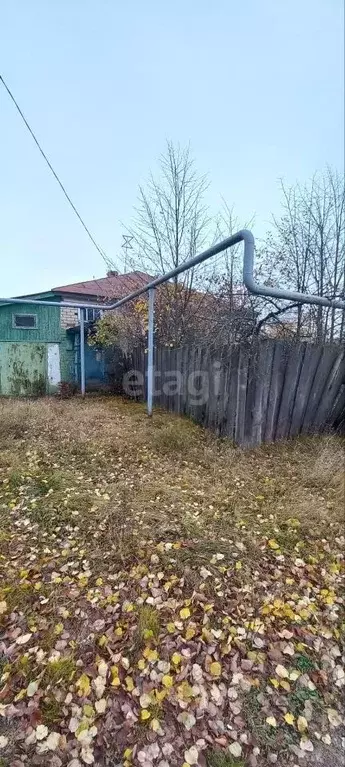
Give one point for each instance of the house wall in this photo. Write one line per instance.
(23, 368)
(34, 360)
(67, 366)
(69, 317)
(48, 323)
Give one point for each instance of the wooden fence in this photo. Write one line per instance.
(260, 392)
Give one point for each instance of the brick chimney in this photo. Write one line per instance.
(112, 273)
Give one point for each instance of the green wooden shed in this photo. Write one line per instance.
(36, 353)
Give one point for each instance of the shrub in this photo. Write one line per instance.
(67, 389)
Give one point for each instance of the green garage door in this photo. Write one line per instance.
(28, 369)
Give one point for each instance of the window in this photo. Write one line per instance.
(91, 315)
(27, 321)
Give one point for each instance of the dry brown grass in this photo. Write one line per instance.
(24, 418)
(172, 475)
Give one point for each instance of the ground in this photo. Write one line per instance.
(166, 599)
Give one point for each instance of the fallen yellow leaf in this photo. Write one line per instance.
(160, 695)
(294, 674)
(88, 710)
(151, 655)
(282, 671)
(83, 685)
(289, 718)
(302, 724)
(215, 668)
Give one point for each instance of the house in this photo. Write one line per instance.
(39, 344)
(103, 290)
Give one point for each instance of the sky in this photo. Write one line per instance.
(254, 86)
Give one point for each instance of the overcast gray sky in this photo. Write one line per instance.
(255, 86)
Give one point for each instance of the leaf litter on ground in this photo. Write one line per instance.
(160, 606)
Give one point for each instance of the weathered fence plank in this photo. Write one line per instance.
(308, 371)
(251, 393)
(333, 386)
(276, 388)
(242, 377)
(232, 389)
(336, 417)
(290, 385)
(263, 381)
(325, 364)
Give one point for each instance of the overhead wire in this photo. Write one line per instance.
(100, 250)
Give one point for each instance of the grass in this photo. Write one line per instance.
(299, 698)
(268, 738)
(218, 758)
(148, 623)
(113, 523)
(60, 672)
(176, 437)
(52, 711)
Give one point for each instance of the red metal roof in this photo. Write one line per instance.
(112, 287)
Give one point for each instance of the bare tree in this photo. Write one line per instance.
(171, 225)
(305, 251)
(233, 312)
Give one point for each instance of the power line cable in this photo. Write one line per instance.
(99, 249)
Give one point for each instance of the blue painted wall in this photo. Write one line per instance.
(94, 364)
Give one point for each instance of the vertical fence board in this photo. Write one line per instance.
(308, 371)
(290, 385)
(276, 388)
(212, 395)
(190, 382)
(198, 384)
(222, 383)
(269, 390)
(232, 392)
(325, 364)
(165, 376)
(330, 394)
(252, 385)
(336, 416)
(178, 368)
(158, 377)
(242, 377)
(203, 407)
(184, 398)
(263, 379)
